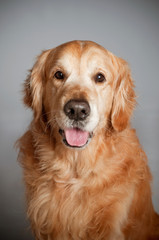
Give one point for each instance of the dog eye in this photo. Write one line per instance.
(99, 78)
(59, 75)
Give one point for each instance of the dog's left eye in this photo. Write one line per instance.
(99, 78)
(59, 75)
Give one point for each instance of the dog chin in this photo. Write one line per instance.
(75, 137)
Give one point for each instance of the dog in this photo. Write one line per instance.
(86, 175)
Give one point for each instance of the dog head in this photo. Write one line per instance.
(81, 88)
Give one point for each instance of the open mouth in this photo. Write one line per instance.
(75, 137)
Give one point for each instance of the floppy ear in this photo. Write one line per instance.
(124, 97)
(33, 86)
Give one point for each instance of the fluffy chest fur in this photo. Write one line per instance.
(69, 198)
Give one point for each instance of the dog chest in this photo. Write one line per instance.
(86, 213)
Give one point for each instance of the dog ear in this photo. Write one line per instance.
(124, 97)
(33, 86)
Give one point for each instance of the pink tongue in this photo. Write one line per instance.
(76, 137)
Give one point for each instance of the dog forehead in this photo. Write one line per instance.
(94, 58)
(81, 55)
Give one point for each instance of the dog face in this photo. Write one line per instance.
(82, 89)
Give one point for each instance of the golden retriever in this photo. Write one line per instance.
(85, 172)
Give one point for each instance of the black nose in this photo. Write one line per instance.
(77, 109)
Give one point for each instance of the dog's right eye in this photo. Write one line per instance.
(59, 75)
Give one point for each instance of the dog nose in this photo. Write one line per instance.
(77, 109)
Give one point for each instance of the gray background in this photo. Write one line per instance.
(130, 29)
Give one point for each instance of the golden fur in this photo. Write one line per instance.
(98, 192)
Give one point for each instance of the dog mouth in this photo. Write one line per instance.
(75, 137)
